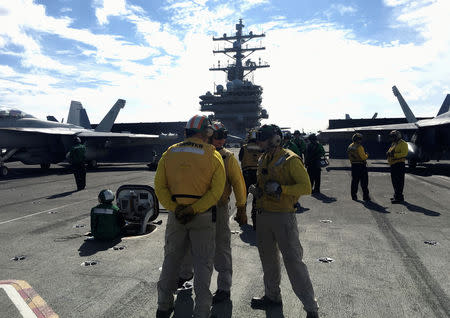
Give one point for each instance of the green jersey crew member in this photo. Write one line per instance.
(298, 140)
(189, 181)
(76, 157)
(282, 179)
(396, 156)
(314, 152)
(358, 157)
(106, 221)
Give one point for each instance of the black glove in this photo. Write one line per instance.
(184, 214)
(255, 191)
(273, 189)
(241, 215)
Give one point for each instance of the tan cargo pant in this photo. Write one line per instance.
(278, 231)
(198, 235)
(222, 256)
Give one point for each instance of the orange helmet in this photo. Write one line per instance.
(199, 124)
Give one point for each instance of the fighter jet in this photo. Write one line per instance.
(428, 139)
(33, 141)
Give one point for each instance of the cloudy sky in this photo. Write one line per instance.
(327, 57)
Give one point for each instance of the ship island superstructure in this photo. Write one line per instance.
(238, 106)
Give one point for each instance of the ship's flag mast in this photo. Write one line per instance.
(239, 54)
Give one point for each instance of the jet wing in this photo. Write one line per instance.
(96, 134)
(443, 119)
(51, 131)
(325, 135)
(406, 126)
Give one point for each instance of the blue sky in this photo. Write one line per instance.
(327, 57)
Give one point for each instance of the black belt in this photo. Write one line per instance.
(192, 196)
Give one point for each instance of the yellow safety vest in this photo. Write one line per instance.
(189, 170)
(277, 169)
(356, 153)
(400, 151)
(251, 155)
(234, 178)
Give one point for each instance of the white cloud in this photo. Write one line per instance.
(318, 70)
(110, 8)
(342, 9)
(395, 3)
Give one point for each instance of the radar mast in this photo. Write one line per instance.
(238, 106)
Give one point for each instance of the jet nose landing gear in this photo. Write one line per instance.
(4, 171)
(138, 204)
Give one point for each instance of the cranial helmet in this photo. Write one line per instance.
(312, 137)
(77, 140)
(271, 133)
(199, 124)
(106, 196)
(297, 133)
(219, 130)
(251, 135)
(287, 135)
(396, 134)
(357, 136)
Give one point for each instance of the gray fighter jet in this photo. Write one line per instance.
(429, 138)
(33, 141)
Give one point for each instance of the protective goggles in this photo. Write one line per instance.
(220, 134)
(263, 135)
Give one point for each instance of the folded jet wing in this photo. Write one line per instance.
(34, 141)
(430, 138)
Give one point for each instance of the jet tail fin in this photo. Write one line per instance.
(108, 121)
(406, 110)
(78, 116)
(445, 106)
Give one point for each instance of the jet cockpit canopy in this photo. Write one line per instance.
(13, 113)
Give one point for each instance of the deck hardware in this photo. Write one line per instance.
(325, 260)
(89, 263)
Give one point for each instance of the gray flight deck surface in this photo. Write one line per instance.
(381, 268)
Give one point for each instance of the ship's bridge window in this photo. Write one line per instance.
(13, 113)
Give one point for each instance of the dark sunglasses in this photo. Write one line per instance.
(220, 134)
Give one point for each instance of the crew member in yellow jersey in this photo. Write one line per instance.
(358, 156)
(282, 179)
(396, 156)
(189, 181)
(235, 180)
(249, 156)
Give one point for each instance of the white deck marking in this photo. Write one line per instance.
(46, 211)
(18, 301)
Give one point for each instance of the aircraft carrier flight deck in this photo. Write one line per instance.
(365, 260)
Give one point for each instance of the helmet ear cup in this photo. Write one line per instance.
(208, 132)
(275, 141)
